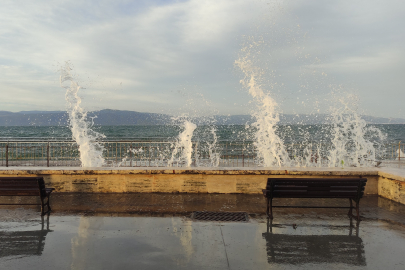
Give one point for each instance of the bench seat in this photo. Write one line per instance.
(344, 188)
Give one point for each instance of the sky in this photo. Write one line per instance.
(179, 57)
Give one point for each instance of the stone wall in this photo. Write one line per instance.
(391, 185)
(386, 182)
(184, 181)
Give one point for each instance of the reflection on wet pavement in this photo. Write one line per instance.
(24, 243)
(155, 231)
(296, 249)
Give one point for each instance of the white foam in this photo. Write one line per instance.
(350, 147)
(183, 147)
(91, 152)
(270, 147)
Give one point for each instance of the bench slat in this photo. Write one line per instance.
(332, 193)
(355, 188)
(19, 186)
(303, 183)
(317, 179)
(6, 183)
(19, 193)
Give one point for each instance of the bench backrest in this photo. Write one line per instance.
(22, 186)
(316, 187)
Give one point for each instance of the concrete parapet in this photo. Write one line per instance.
(391, 184)
(193, 180)
(386, 182)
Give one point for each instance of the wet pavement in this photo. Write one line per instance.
(155, 231)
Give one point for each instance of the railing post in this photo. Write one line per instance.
(47, 155)
(399, 151)
(130, 155)
(195, 154)
(7, 154)
(116, 153)
(149, 158)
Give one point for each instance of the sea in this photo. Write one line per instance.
(394, 133)
(211, 146)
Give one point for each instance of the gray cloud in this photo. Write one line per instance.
(138, 55)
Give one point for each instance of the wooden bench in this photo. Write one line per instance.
(342, 188)
(26, 186)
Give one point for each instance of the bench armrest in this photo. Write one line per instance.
(266, 192)
(49, 190)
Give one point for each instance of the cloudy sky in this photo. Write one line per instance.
(179, 56)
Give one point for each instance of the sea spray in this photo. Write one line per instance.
(132, 153)
(207, 150)
(400, 154)
(91, 152)
(197, 109)
(353, 143)
(183, 147)
(270, 148)
(213, 149)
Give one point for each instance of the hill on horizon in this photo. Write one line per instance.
(109, 117)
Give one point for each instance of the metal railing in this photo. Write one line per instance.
(157, 152)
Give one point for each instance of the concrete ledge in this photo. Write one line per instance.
(203, 171)
(391, 184)
(386, 182)
(169, 180)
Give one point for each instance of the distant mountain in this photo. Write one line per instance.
(5, 113)
(33, 119)
(103, 117)
(306, 119)
(118, 118)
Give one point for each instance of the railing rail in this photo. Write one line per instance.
(145, 152)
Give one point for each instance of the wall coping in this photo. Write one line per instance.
(392, 173)
(372, 171)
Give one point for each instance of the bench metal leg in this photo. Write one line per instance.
(269, 210)
(350, 214)
(356, 227)
(269, 225)
(357, 216)
(270, 205)
(43, 204)
(49, 206)
(42, 207)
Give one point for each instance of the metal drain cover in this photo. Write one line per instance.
(220, 216)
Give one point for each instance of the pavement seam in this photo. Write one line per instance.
(223, 241)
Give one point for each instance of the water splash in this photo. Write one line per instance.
(213, 149)
(400, 154)
(183, 147)
(127, 160)
(353, 142)
(207, 153)
(91, 152)
(309, 152)
(270, 147)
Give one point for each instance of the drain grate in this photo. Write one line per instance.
(220, 216)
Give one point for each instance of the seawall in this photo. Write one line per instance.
(388, 183)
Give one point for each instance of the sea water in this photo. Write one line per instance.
(293, 133)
